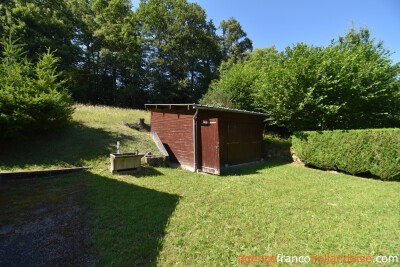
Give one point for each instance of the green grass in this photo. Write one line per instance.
(174, 217)
(171, 217)
(88, 141)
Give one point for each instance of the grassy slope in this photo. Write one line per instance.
(87, 142)
(174, 217)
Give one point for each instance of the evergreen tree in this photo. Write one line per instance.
(32, 96)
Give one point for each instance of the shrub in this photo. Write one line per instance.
(32, 97)
(350, 84)
(374, 151)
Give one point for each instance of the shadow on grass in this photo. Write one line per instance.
(366, 175)
(68, 146)
(146, 171)
(254, 169)
(128, 221)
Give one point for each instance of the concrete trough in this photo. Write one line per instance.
(125, 163)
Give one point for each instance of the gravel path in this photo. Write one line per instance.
(53, 234)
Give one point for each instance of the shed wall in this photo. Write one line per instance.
(175, 130)
(240, 136)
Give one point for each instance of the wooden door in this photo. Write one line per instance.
(210, 146)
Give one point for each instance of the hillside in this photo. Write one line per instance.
(87, 141)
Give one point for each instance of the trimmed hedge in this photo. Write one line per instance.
(374, 151)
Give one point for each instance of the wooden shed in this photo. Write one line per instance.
(208, 139)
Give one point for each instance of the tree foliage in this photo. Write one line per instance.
(112, 62)
(236, 85)
(41, 25)
(181, 50)
(350, 84)
(113, 54)
(164, 51)
(236, 45)
(32, 97)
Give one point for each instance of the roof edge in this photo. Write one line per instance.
(207, 107)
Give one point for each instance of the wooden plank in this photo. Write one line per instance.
(159, 144)
(4, 176)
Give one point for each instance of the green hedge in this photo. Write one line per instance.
(375, 151)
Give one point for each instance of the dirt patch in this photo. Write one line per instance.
(44, 224)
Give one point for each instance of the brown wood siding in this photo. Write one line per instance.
(238, 139)
(243, 142)
(175, 129)
(240, 136)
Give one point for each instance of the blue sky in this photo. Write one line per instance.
(315, 22)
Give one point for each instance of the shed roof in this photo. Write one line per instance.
(203, 107)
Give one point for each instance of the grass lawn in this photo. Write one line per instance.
(179, 218)
(171, 217)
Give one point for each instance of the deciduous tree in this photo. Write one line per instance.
(236, 45)
(350, 84)
(181, 50)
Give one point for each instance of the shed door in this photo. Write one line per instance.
(210, 146)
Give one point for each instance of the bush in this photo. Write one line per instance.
(375, 151)
(32, 97)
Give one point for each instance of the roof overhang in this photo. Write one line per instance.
(202, 107)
